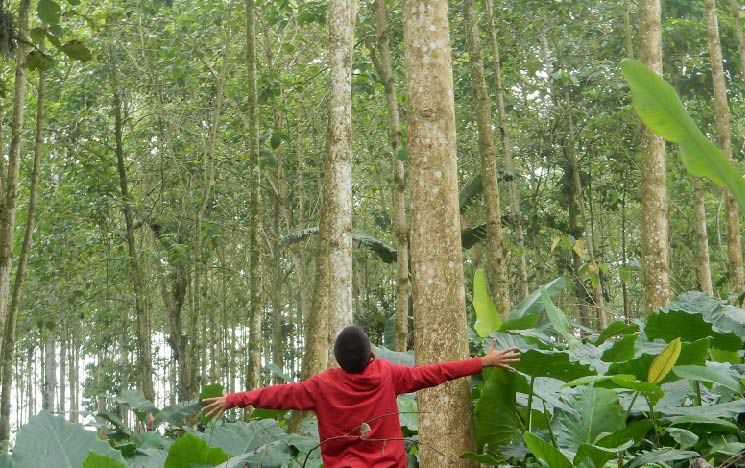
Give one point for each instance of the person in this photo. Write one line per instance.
(356, 404)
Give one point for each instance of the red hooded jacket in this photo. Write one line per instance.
(344, 401)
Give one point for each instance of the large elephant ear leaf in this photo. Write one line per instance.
(661, 110)
(66, 445)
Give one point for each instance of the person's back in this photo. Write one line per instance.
(358, 421)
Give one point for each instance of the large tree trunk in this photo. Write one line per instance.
(9, 181)
(445, 422)
(8, 343)
(704, 267)
(721, 117)
(145, 361)
(254, 351)
(496, 259)
(655, 274)
(384, 68)
(509, 165)
(336, 221)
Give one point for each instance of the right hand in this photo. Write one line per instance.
(501, 358)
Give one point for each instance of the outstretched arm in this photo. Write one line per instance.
(411, 379)
(283, 396)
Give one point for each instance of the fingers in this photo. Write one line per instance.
(505, 366)
(493, 346)
(209, 400)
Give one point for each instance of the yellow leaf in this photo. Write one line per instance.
(664, 362)
(579, 248)
(554, 244)
(591, 268)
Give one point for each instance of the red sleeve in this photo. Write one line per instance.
(411, 379)
(283, 396)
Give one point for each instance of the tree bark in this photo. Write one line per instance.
(254, 352)
(50, 372)
(8, 342)
(704, 267)
(384, 68)
(721, 117)
(654, 232)
(9, 181)
(509, 165)
(437, 265)
(336, 215)
(735, 8)
(496, 260)
(144, 352)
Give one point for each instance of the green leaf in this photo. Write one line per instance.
(622, 350)
(487, 317)
(691, 353)
(557, 365)
(594, 456)
(546, 452)
(38, 61)
(95, 460)
(137, 403)
(37, 35)
(709, 423)
(588, 413)
(660, 108)
(48, 11)
(634, 430)
(618, 327)
(65, 445)
(189, 451)
(402, 154)
(686, 439)
(407, 413)
(688, 326)
(557, 318)
(663, 363)
(730, 409)
(708, 374)
(270, 455)
(495, 413)
(662, 455)
(275, 140)
(532, 305)
(177, 413)
(76, 50)
(239, 437)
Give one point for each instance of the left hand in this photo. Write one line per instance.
(216, 406)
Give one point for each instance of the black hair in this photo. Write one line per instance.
(352, 349)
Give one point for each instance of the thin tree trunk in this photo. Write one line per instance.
(384, 68)
(9, 181)
(600, 313)
(30, 387)
(254, 351)
(144, 352)
(509, 165)
(496, 260)
(735, 8)
(704, 267)
(62, 372)
(74, 379)
(8, 343)
(445, 422)
(721, 117)
(655, 269)
(50, 372)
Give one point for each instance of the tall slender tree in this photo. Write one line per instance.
(445, 424)
(654, 232)
(724, 132)
(384, 68)
(496, 260)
